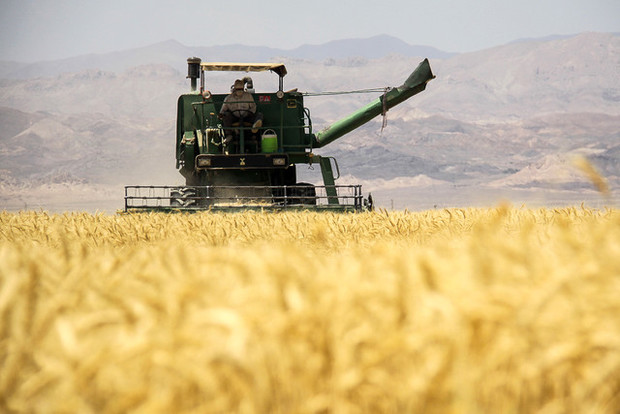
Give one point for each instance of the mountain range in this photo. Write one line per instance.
(173, 54)
(506, 122)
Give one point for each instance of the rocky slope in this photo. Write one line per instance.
(510, 117)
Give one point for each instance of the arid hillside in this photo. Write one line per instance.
(504, 122)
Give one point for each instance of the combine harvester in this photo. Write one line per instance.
(257, 168)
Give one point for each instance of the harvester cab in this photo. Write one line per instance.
(240, 149)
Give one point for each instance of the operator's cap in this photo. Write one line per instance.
(238, 85)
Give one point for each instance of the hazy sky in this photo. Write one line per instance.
(34, 30)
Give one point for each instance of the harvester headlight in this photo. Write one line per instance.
(204, 162)
(279, 161)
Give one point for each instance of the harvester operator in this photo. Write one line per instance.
(239, 107)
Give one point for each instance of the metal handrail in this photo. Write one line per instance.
(262, 197)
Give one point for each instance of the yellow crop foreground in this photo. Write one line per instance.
(502, 310)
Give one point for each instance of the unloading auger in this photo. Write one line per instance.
(257, 168)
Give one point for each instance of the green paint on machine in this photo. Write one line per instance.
(247, 158)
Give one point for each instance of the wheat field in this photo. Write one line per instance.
(496, 310)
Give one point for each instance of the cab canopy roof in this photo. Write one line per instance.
(244, 67)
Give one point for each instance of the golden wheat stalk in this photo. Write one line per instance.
(457, 310)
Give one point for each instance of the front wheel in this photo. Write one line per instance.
(182, 197)
(176, 198)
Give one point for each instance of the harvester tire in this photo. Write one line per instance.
(176, 198)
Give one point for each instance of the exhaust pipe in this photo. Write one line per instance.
(193, 71)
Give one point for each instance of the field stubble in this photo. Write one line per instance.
(460, 310)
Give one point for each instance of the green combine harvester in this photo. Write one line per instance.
(253, 165)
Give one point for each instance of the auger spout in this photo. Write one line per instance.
(415, 83)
